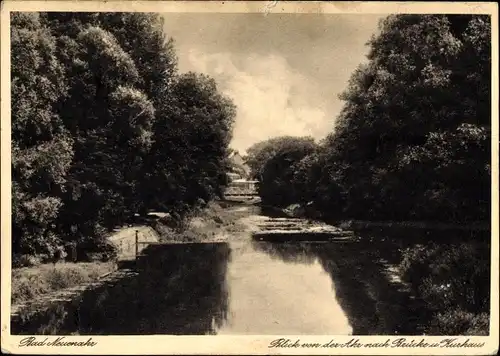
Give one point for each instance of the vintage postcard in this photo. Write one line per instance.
(249, 178)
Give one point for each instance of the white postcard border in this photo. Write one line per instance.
(258, 344)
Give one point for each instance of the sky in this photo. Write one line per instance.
(284, 72)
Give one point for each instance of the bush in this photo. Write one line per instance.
(454, 281)
(31, 283)
(19, 261)
(456, 275)
(415, 264)
(459, 322)
(97, 249)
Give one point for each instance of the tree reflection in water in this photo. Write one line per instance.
(373, 304)
(179, 289)
(183, 289)
(287, 252)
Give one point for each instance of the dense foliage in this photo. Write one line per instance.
(193, 134)
(412, 144)
(274, 162)
(454, 282)
(41, 149)
(104, 127)
(412, 141)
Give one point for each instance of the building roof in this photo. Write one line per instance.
(245, 181)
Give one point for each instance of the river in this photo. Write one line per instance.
(248, 287)
(270, 295)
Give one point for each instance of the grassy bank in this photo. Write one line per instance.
(151, 300)
(32, 282)
(214, 223)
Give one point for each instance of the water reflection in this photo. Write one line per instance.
(242, 288)
(250, 287)
(373, 304)
(287, 252)
(280, 289)
(179, 289)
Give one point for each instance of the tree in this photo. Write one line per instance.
(41, 148)
(142, 36)
(259, 153)
(274, 162)
(189, 159)
(419, 92)
(111, 122)
(114, 131)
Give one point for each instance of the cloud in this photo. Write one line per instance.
(272, 99)
(283, 71)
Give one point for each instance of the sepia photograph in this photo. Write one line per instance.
(250, 171)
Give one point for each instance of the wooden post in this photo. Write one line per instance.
(73, 252)
(136, 244)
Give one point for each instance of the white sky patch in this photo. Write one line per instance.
(270, 96)
(283, 71)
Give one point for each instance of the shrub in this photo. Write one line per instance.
(25, 261)
(464, 270)
(415, 264)
(459, 322)
(30, 283)
(97, 249)
(449, 274)
(454, 282)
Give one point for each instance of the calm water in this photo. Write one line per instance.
(278, 291)
(243, 287)
(248, 287)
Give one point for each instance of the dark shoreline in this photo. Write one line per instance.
(353, 224)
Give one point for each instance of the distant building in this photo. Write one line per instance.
(233, 176)
(239, 165)
(250, 185)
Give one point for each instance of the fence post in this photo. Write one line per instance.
(136, 244)
(74, 256)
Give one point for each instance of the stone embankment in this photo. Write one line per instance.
(305, 212)
(420, 225)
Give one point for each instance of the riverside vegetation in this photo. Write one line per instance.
(411, 144)
(104, 127)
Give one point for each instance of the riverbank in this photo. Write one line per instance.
(218, 222)
(445, 266)
(420, 225)
(380, 283)
(298, 211)
(41, 282)
(31, 284)
(216, 287)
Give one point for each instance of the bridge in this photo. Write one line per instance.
(242, 188)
